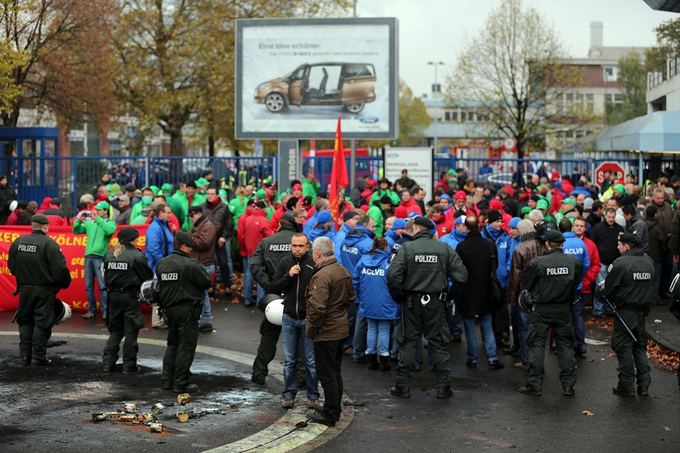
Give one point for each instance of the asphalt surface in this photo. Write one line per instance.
(485, 414)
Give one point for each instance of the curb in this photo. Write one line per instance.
(282, 435)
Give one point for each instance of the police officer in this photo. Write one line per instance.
(182, 282)
(630, 285)
(551, 279)
(40, 270)
(418, 279)
(125, 269)
(264, 263)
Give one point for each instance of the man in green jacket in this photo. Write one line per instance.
(99, 229)
(383, 190)
(187, 198)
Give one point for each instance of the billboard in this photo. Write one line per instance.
(294, 77)
(418, 162)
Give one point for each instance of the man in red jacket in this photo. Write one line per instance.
(579, 229)
(255, 228)
(409, 203)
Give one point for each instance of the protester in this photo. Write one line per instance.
(292, 279)
(329, 294)
(99, 229)
(369, 280)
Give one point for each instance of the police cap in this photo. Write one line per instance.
(184, 238)
(128, 235)
(629, 238)
(423, 222)
(554, 236)
(40, 219)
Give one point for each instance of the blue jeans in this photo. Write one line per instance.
(578, 325)
(454, 320)
(248, 284)
(378, 337)
(292, 334)
(600, 308)
(206, 314)
(359, 339)
(488, 337)
(93, 269)
(223, 257)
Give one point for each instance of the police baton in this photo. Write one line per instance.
(618, 315)
(14, 293)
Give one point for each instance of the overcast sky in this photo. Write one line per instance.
(437, 30)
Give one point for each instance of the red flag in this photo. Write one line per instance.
(339, 178)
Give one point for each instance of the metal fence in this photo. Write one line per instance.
(70, 177)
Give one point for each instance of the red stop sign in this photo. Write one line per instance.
(612, 167)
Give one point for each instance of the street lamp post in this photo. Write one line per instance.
(435, 87)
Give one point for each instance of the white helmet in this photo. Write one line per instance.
(274, 312)
(63, 311)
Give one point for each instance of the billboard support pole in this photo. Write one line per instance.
(353, 165)
(288, 162)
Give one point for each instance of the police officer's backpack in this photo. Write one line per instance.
(675, 293)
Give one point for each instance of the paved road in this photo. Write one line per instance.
(486, 413)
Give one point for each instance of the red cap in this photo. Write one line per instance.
(364, 207)
(496, 204)
(400, 212)
(297, 187)
(371, 183)
(460, 195)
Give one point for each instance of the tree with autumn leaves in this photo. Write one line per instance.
(54, 56)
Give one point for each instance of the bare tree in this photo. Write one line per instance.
(512, 70)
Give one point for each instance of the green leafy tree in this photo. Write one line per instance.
(633, 79)
(10, 91)
(413, 118)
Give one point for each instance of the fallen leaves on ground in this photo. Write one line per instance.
(663, 358)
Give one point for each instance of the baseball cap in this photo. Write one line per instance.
(102, 205)
(324, 217)
(399, 224)
(460, 220)
(514, 222)
(569, 201)
(460, 195)
(493, 216)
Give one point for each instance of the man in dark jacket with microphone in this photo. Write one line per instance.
(291, 279)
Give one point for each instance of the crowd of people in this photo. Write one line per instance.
(391, 268)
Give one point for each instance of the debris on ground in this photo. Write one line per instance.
(183, 398)
(663, 358)
(587, 413)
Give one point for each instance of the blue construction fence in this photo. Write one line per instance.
(70, 177)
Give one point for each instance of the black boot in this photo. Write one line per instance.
(372, 361)
(400, 391)
(384, 362)
(444, 392)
